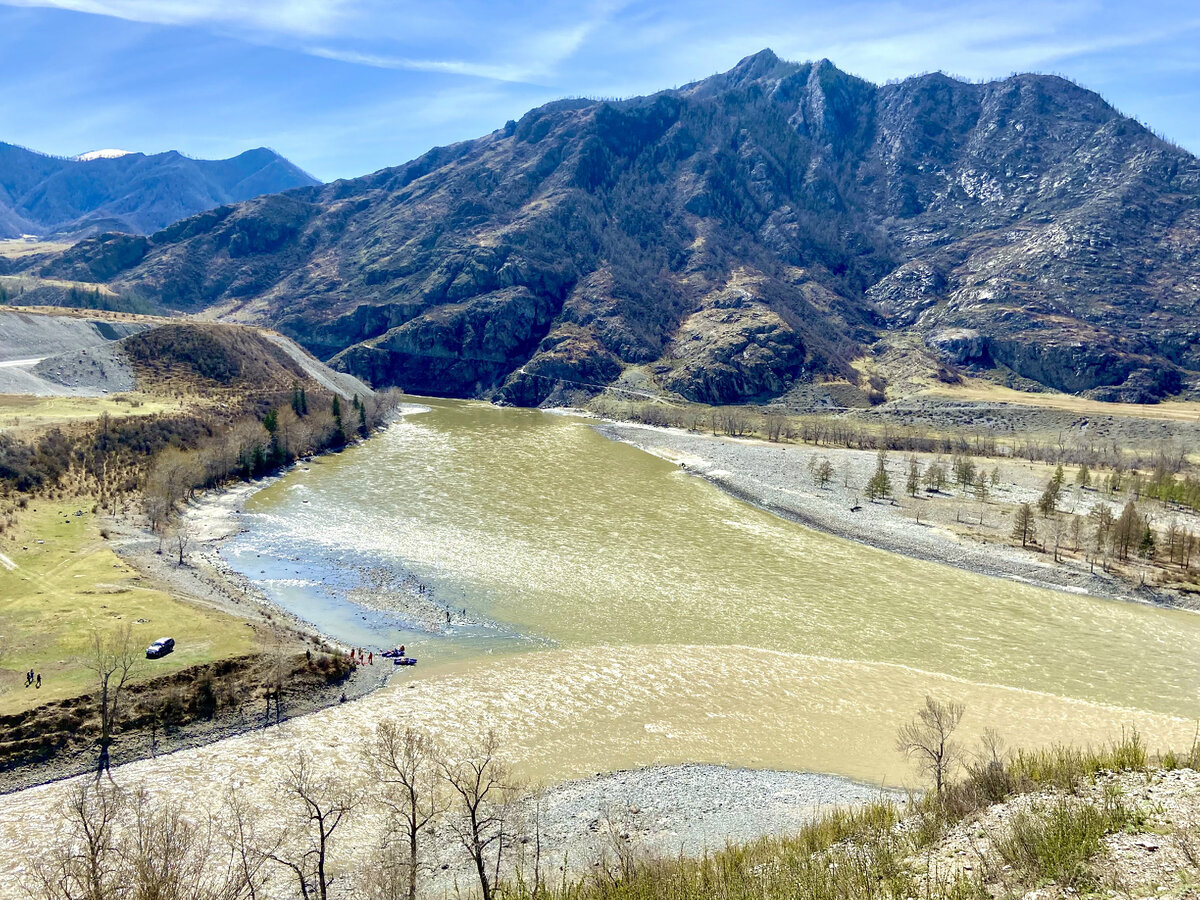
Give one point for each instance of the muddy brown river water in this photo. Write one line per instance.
(578, 549)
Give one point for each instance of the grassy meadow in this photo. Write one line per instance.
(60, 579)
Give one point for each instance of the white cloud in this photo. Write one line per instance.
(295, 17)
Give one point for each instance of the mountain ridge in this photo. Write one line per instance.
(52, 196)
(727, 239)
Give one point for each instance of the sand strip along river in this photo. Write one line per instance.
(620, 613)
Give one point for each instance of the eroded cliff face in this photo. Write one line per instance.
(765, 225)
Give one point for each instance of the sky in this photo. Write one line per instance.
(346, 87)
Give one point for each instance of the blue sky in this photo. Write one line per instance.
(345, 87)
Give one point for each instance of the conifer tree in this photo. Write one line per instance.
(880, 485)
(1024, 529)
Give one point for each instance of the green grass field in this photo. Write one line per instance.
(26, 412)
(59, 580)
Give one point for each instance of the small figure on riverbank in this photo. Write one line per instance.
(39, 680)
(371, 658)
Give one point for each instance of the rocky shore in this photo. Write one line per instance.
(658, 811)
(777, 478)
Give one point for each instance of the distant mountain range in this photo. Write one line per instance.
(725, 241)
(115, 190)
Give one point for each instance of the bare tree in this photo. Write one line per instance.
(120, 843)
(927, 739)
(111, 659)
(165, 855)
(322, 804)
(183, 537)
(274, 674)
(479, 783)
(406, 765)
(86, 865)
(247, 852)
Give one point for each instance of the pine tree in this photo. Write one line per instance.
(880, 485)
(1024, 529)
(1146, 546)
(1048, 502)
(339, 426)
(914, 477)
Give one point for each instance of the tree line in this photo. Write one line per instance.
(166, 458)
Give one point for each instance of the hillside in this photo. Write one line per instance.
(132, 192)
(722, 242)
(53, 353)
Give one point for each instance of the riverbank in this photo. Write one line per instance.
(205, 580)
(779, 479)
(588, 825)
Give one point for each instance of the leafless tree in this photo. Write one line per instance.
(165, 855)
(479, 783)
(86, 865)
(927, 739)
(274, 674)
(183, 537)
(120, 843)
(249, 851)
(111, 659)
(406, 765)
(322, 803)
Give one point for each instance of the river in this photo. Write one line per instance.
(619, 611)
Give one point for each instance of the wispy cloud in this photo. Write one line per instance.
(297, 17)
(531, 57)
(347, 86)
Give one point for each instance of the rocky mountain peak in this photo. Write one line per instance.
(764, 226)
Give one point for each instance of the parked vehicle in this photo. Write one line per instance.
(160, 648)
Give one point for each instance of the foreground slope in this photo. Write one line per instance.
(728, 238)
(131, 192)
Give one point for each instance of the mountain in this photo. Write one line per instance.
(723, 241)
(115, 190)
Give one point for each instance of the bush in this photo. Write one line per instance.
(1063, 767)
(1056, 842)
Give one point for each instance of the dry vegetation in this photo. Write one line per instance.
(1062, 820)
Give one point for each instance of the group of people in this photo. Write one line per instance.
(356, 656)
(33, 678)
